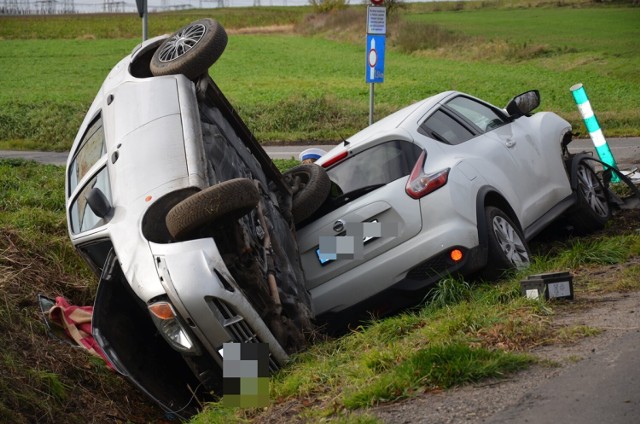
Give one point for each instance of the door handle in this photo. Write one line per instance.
(510, 143)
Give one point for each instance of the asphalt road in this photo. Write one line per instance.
(625, 150)
(601, 389)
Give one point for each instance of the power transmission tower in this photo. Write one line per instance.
(46, 7)
(112, 6)
(68, 6)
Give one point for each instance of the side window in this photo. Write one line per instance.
(81, 216)
(91, 149)
(482, 116)
(378, 165)
(442, 127)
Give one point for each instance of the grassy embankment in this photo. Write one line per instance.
(465, 334)
(291, 87)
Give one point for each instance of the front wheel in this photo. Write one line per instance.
(222, 202)
(507, 246)
(592, 210)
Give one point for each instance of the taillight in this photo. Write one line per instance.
(421, 184)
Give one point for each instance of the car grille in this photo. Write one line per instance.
(239, 329)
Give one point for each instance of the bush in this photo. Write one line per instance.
(414, 36)
(323, 6)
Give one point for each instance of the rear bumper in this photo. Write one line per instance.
(409, 291)
(440, 266)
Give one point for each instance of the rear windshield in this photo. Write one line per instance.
(378, 165)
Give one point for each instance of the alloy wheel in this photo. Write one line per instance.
(510, 243)
(592, 191)
(181, 42)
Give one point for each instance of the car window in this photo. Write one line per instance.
(482, 116)
(91, 149)
(380, 164)
(442, 127)
(81, 216)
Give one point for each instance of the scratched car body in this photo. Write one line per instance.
(457, 184)
(198, 240)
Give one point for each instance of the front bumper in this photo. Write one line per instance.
(208, 299)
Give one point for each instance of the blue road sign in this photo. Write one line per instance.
(374, 72)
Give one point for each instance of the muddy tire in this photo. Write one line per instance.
(191, 50)
(310, 185)
(508, 248)
(222, 202)
(591, 211)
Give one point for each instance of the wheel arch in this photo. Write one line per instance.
(489, 196)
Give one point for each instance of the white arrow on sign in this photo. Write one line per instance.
(373, 59)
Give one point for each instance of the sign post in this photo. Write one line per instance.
(142, 12)
(376, 40)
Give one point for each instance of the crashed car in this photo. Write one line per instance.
(198, 240)
(186, 221)
(458, 186)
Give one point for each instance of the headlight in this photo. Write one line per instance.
(166, 320)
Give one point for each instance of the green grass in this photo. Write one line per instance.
(42, 379)
(101, 26)
(289, 87)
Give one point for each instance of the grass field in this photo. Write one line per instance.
(464, 334)
(289, 87)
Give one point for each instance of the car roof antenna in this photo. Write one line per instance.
(344, 140)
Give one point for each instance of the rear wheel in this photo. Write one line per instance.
(191, 50)
(222, 202)
(592, 210)
(310, 185)
(507, 246)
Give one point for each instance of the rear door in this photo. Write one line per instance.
(368, 212)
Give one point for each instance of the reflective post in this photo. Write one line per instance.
(591, 122)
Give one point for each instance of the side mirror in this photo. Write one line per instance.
(523, 104)
(99, 203)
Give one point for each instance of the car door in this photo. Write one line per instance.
(368, 212)
(520, 158)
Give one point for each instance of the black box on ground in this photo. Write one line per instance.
(554, 285)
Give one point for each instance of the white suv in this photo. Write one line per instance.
(457, 184)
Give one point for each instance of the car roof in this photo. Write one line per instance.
(389, 125)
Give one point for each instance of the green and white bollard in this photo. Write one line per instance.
(591, 122)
